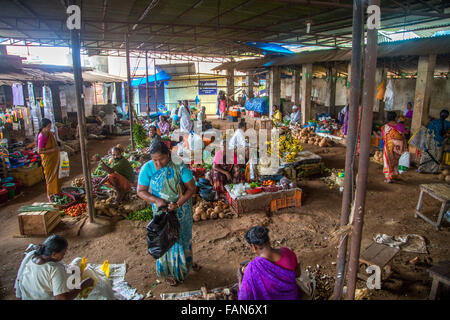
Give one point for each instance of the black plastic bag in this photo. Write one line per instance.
(162, 233)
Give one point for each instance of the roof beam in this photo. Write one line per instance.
(350, 6)
(431, 6)
(150, 6)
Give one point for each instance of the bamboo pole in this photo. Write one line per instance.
(370, 65)
(129, 91)
(81, 120)
(355, 91)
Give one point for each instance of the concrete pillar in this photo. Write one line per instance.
(275, 87)
(378, 106)
(306, 92)
(331, 90)
(296, 93)
(99, 63)
(249, 85)
(422, 97)
(230, 84)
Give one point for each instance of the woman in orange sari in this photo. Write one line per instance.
(49, 151)
(394, 145)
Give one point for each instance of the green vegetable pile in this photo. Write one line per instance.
(286, 122)
(165, 138)
(135, 164)
(99, 172)
(141, 215)
(61, 199)
(255, 185)
(140, 136)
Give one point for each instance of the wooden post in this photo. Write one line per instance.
(425, 71)
(249, 85)
(306, 92)
(129, 91)
(75, 40)
(275, 87)
(156, 87)
(147, 95)
(331, 90)
(296, 91)
(230, 84)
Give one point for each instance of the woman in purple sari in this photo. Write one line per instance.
(272, 275)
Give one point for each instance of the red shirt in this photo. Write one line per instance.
(288, 259)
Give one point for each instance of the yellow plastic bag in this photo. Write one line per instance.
(83, 264)
(105, 268)
(381, 91)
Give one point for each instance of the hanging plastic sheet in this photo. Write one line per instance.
(89, 93)
(36, 116)
(48, 108)
(389, 97)
(17, 91)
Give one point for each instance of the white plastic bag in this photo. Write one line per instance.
(195, 142)
(64, 167)
(403, 162)
(389, 97)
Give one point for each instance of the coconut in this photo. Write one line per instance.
(445, 172)
(198, 210)
(441, 177)
(197, 217)
(221, 215)
(204, 216)
(214, 215)
(217, 209)
(447, 179)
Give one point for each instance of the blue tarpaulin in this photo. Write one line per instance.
(160, 76)
(260, 105)
(270, 47)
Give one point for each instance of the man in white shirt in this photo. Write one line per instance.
(296, 115)
(238, 138)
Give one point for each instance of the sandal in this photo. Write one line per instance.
(196, 267)
(171, 282)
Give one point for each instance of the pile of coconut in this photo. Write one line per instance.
(307, 135)
(444, 175)
(378, 156)
(204, 210)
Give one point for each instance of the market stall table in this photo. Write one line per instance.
(264, 200)
(439, 191)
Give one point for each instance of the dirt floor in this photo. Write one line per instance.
(219, 245)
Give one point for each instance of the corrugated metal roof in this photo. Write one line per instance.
(50, 73)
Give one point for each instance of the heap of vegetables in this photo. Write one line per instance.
(141, 215)
(76, 210)
(204, 210)
(99, 171)
(255, 185)
(61, 199)
(288, 147)
(140, 136)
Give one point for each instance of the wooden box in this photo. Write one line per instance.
(39, 223)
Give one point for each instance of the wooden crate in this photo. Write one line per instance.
(287, 202)
(39, 223)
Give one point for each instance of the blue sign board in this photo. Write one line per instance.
(207, 87)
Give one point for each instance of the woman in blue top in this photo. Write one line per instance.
(163, 183)
(435, 137)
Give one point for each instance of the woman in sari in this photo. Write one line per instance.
(222, 172)
(222, 106)
(165, 184)
(164, 126)
(394, 144)
(272, 274)
(49, 151)
(185, 117)
(277, 117)
(437, 132)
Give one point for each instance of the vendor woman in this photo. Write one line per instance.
(163, 183)
(223, 173)
(49, 151)
(42, 276)
(120, 174)
(277, 117)
(164, 126)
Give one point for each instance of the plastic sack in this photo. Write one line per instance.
(195, 142)
(381, 90)
(403, 162)
(162, 233)
(64, 167)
